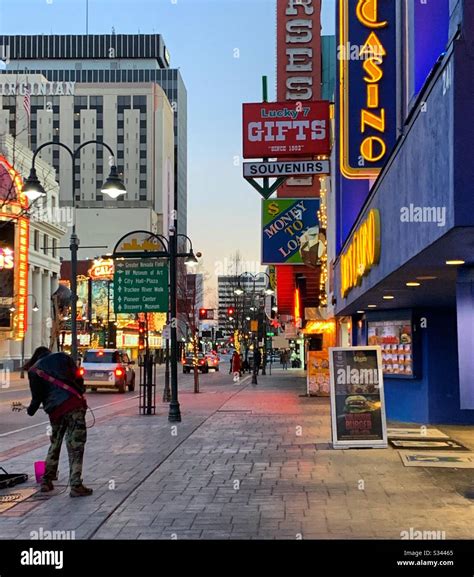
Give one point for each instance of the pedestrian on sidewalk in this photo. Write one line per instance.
(56, 384)
(284, 360)
(236, 366)
(257, 358)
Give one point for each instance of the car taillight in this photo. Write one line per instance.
(82, 372)
(119, 372)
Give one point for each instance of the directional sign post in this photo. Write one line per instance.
(141, 286)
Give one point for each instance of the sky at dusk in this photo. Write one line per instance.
(222, 47)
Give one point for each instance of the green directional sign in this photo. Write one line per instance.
(140, 286)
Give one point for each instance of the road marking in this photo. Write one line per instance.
(47, 422)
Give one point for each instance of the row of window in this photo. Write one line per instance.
(42, 243)
(84, 46)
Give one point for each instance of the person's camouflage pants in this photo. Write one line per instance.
(73, 425)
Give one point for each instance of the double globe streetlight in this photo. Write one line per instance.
(167, 248)
(34, 190)
(268, 291)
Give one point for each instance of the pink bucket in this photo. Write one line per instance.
(40, 469)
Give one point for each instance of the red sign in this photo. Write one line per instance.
(298, 50)
(283, 129)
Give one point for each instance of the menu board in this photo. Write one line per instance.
(357, 398)
(318, 381)
(395, 339)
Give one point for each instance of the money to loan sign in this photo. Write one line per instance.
(140, 286)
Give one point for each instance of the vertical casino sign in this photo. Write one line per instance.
(14, 242)
(368, 85)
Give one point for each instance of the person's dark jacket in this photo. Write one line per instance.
(56, 401)
(258, 358)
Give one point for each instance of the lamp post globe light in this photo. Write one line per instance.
(169, 251)
(268, 291)
(33, 190)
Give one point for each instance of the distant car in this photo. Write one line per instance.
(203, 363)
(108, 369)
(213, 361)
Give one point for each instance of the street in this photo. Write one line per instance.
(247, 462)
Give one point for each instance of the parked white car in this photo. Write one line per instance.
(108, 369)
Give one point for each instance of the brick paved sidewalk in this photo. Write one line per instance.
(251, 463)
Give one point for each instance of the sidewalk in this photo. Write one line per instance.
(248, 462)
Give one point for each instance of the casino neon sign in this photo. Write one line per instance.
(362, 254)
(367, 86)
(17, 258)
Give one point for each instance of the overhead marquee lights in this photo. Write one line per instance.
(455, 262)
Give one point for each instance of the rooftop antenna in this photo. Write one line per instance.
(113, 30)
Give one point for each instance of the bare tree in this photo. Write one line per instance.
(190, 293)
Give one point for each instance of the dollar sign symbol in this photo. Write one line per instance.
(273, 208)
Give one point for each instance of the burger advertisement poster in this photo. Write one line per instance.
(357, 397)
(291, 233)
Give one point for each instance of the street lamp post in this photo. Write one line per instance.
(33, 189)
(170, 252)
(174, 415)
(239, 291)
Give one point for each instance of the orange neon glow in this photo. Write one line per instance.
(369, 119)
(373, 96)
(21, 280)
(367, 14)
(367, 148)
(297, 310)
(12, 211)
(363, 253)
(316, 327)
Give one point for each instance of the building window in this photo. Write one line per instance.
(36, 240)
(55, 248)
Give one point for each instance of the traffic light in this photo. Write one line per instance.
(202, 314)
(230, 311)
(141, 335)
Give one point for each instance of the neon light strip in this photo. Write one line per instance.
(22, 277)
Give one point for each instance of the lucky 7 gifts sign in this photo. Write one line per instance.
(285, 129)
(290, 226)
(357, 398)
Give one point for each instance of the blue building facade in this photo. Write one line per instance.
(416, 297)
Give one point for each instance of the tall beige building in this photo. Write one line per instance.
(135, 119)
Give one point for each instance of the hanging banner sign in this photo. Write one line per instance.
(289, 168)
(367, 56)
(357, 398)
(281, 129)
(290, 230)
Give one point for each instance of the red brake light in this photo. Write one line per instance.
(81, 372)
(118, 372)
(201, 362)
